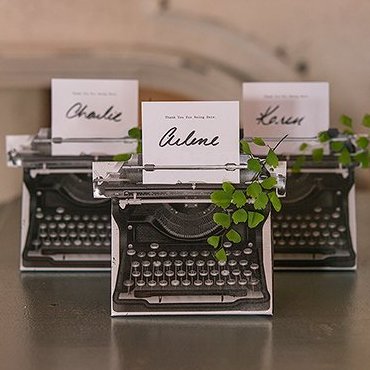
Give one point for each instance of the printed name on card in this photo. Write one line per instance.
(85, 109)
(273, 110)
(190, 133)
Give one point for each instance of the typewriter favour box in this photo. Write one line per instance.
(63, 227)
(162, 216)
(161, 261)
(316, 228)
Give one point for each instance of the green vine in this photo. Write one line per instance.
(136, 134)
(350, 148)
(235, 204)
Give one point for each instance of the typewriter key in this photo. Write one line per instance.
(57, 243)
(162, 254)
(243, 263)
(198, 282)
(250, 245)
(335, 215)
(317, 209)
(254, 266)
(247, 251)
(247, 273)
(105, 217)
(172, 254)
(332, 225)
(158, 273)
(227, 244)
(316, 234)
(140, 283)
(231, 281)
(294, 226)
(205, 253)
(214, 272)
(181, 273)
(189, 263)
(67, 217)
(147, 274)
(185, 282)
(135, 274)
(192, 273)
(169, 273)
(253, 283)
(178, 263)
(53, 234)
(141, 254)
(232, 263)
(100, 226)
(76, 218)
(39, 215)
(211, 263)
(237, 252)
(131, 252)
(135, 264)
(311, 242)
(163, 283)
(335, 234)
(221, 263)
(184, 254)
(77, 242)
(97, 243)
(287, 234)
(43, 234)
(331, 242)
(200, 263)
(83, 234)
(157, 263)
(128, 283)
(325, 233)
(167, 263)
(154, 245)
(342, 228)
(95, 218)
(175, 282)
(277, 234)
(203, 273)
(87, 243)
(236, 272)
(151, 254)
(220, 282)
(194, 254)
(208, 282)
(242, 282)
(57, 217)
(225, 273)
(72, 234)
(152, 283)
(36, 243)
(85, 218)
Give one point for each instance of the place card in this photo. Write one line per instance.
(272, 110)
(190, 133)
(93, 109)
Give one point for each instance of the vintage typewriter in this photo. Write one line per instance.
(63, 226)
(316, 228)
(161, 262)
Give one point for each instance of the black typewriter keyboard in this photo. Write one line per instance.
(160, 271)
(58, 231)
(319, 230)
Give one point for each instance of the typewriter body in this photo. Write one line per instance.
(316, 228)
(161, 261)
(63, 227)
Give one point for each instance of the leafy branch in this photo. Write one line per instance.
(248, 205)
(133, 133)
(350, 148)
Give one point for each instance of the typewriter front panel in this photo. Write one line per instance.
(314, 229)
(67, 228)
(166, 266)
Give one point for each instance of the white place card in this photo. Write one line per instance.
(272, 110)
(93, 109)
(190, 133)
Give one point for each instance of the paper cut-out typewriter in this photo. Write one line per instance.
(316, 228)
(161, 262)
(63, 226)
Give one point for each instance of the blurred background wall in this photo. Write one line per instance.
(178, 49)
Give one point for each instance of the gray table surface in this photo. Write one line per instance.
(61, 320)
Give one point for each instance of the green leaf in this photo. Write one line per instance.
(254, 189)
(228, 187)
(221, 255)
(135, 133)
(259, 141)
(303, 147)
(269, 183)
(139, 147)
(122, 157)
(239, 198)
(362, 142)
(221, 198)
(275, 201)
(254, 165)
(298, 163)
(366, 120)
(214, 241)
(272, 159)
(336, 146)
(323, 136)
(317, 154)
(222, 219)
(239, 216)
(234, 236)
(245, 148)
(346, 121)
(345, 157)
(254, 219)
(363, 159)
(261, 201)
